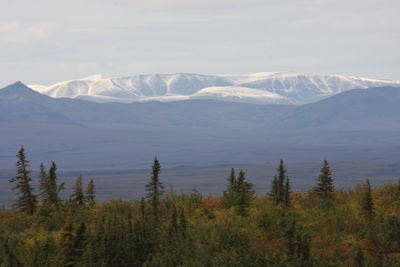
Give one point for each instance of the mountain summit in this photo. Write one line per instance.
(19, 91)
(260, 88)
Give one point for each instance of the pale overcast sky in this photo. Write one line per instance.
(46, 41)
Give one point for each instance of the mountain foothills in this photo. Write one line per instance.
(266, 88)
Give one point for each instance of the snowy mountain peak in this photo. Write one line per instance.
(262, 88)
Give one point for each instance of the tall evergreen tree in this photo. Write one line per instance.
(245, 194)
(281, 181)
(232, 179)
(55, 187)
(90, 194)
(324, 188)
(273, 194)
(280, 188)
(287, 193)
(52, 185)
(239, 193)
(229, 195)
(49, 188)
(155, 187)
(45, 186)
(26, 199)
(43, 181)
(78, 197)
(367, 203)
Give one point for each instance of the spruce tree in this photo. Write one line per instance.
(52, 186)
(244, 194)
(43, 181)
(287, 193)
(155, 187)
(49, 188)
(367, 204)
(239, 193)
(90, 194)
(78, 197)
(280, 188)
(26, 199)
(273, 194)
(229, 195)
(45, 186)
(281, 181)
(232, 179)
(324, 188)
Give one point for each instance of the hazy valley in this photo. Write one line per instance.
(359, 126)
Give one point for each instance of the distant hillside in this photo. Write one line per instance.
(372, 108)
(19, 104)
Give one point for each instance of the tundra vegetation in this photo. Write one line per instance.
(321, 227)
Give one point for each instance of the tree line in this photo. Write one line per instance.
(49, 195)
(322, 227)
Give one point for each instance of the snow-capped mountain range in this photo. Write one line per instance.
(360, 123)
(258, 88)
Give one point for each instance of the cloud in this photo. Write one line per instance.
(17, 33)
(121, 37)
(184, 4)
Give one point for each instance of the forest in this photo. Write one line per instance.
(321, 227)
